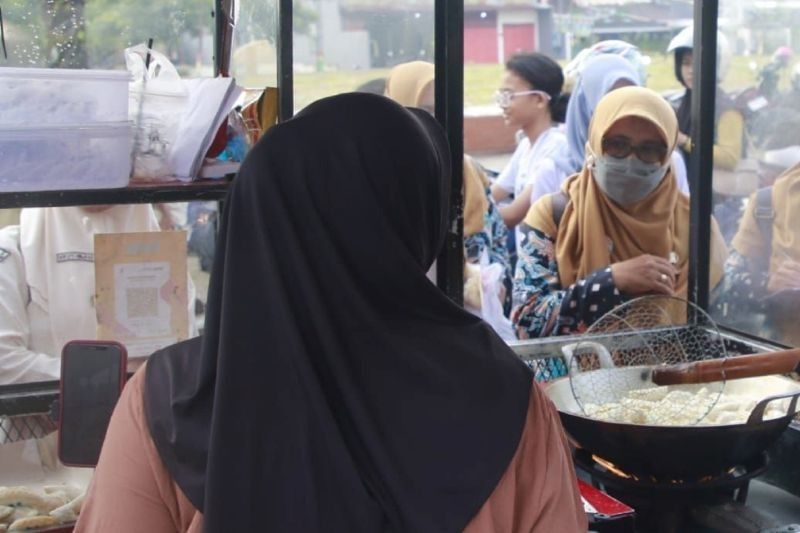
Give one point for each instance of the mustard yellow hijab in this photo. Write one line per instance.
(595, 232)
(407, 82)
(405, 85)
(785, 243)
(785, 226)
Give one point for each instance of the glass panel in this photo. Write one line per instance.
(254, 59)
(47, 279)
(531, 91)
(37, 281)
(757, 139)
(94, 33)
(342, 47)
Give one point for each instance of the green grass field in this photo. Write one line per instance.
(480, 81)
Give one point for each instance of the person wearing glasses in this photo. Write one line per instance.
(596, 77)
(532, 102)
(617, 230)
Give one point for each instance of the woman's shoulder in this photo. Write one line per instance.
(9, 236)
(540, 215)
(554, 139)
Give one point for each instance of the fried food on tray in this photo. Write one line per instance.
(25, 508)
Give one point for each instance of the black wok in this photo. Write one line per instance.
(679, 452)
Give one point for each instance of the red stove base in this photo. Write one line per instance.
(606, 514)
(709, 506)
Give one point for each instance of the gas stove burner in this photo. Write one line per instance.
(607, 474)
(710, 504)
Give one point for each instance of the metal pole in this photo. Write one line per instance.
(701, 162)
(224, 23)
(285, 51)
(449, 44)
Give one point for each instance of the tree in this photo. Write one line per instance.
(65, 35)
(115, 25)
(93, 33)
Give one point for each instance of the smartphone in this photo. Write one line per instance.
(92, 377)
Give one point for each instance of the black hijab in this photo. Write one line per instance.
(335, 388)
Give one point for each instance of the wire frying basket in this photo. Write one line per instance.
(610, 370)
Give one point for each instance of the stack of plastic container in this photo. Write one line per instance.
(64, 129)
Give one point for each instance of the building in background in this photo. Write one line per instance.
(493, 33)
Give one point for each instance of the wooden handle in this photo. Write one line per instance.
(742, 366)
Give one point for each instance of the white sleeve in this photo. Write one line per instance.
(548, 179)
(18, 363)
(681, 176)
(507, 178)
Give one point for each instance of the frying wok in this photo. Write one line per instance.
(679, 452)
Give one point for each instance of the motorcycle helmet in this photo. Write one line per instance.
(782, 54)
(625, 49)
(685, 41)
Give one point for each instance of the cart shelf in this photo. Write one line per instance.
(140, 193)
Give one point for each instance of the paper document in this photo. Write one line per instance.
(141, 286)
(210, 101)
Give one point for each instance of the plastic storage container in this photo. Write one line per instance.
(62, 96)
(84, 156)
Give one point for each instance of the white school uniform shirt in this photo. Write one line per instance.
(679, 169)
(47, 284)
(535, 163)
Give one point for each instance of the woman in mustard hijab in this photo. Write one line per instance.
(617, 230)
(761, 292)
(412, 85)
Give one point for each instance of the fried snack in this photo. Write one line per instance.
(22, 512)
(64, 514)
(32, 523)
(23, 497)
(77, 504)
(70, 491)
(26, 508)
(69, 511)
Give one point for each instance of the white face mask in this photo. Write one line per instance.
(628, 180)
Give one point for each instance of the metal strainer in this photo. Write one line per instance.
(610, 368)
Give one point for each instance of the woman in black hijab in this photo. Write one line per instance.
(335, 388)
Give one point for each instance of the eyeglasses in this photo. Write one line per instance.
(621, 147)
(504, 97)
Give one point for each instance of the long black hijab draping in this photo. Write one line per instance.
(335, 388)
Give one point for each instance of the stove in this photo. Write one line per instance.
(713, 504)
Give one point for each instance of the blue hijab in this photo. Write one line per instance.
(598, 75)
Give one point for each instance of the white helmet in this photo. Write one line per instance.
(685, 39)
(621, 48)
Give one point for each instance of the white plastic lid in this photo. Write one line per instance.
(64, 73)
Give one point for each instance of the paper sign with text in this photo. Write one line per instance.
(141, 289)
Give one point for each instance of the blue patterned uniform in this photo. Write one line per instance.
(493, 238)
(541, 307)
(737, 301)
